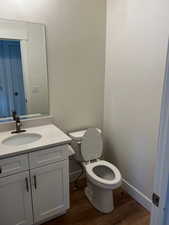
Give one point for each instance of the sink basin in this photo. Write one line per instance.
(21, 139)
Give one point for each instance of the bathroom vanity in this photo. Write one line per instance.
(34, 175)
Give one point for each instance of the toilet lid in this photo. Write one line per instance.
(92, 144)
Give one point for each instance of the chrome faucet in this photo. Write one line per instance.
(18, 124)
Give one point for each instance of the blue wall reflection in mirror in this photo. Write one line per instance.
(12, 94)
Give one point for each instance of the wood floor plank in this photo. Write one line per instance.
(127, 211)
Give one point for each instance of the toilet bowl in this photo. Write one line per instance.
(102, 176)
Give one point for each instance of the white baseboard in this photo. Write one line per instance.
(137, 195)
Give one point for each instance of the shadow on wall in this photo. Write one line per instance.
(108, 151)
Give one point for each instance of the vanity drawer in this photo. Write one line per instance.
(13, 165)
(47, 156)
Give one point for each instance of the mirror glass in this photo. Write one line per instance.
(23, 70)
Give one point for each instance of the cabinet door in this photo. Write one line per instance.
(50, 190)
(15, 200)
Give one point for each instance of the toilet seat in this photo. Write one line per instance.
(91, 149)
(104, 183)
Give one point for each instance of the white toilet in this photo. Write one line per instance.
(102, 176)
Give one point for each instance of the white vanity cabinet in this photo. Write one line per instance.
(50, 191)
(34, 187)
(15, 200)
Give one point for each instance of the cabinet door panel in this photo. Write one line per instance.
(15, 200)
(50, 189)
(13, 165)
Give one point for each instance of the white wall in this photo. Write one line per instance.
(76, 60)
(137, 33)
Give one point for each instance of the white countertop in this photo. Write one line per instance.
(51, 136)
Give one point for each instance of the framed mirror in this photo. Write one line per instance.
(23, 70)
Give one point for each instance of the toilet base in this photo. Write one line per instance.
(100, 198)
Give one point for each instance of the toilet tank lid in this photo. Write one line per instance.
(78, 135)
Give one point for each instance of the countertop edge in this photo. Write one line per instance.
(26, 151)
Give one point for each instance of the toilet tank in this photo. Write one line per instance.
(77, 137)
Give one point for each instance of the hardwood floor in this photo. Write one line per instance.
(127, 211)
